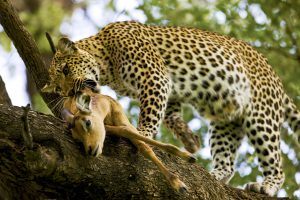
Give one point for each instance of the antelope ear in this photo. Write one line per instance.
(48, 88)
(68, 116)
(84, 102)
(66, 46)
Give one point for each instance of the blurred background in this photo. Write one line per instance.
(273, 27)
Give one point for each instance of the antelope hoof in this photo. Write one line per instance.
(182, 187)
(192, 159)
(179, 186)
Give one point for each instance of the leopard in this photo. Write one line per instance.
(224, 79)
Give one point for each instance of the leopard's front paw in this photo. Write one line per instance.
(145, 133)
(222, 175)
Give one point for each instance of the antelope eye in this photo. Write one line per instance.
(88, 123)
(66, 70)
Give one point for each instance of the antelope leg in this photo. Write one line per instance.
(132, 133)
(149, 154)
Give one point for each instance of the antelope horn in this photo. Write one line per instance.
(51, 42)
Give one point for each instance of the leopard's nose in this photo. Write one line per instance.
(90, 83)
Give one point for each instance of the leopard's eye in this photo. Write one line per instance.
(66, 70)
(58, 89)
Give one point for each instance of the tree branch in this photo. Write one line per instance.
(57, 167)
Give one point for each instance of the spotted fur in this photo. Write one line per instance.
(224, 79)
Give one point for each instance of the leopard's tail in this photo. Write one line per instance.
(292, 116)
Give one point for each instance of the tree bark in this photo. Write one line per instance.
(56, 167)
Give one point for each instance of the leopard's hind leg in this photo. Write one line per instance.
(225, 138)
(263, 130)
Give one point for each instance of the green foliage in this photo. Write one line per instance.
(39, 104)
(46, 19)
(5, 42)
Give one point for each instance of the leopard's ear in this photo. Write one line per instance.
(66, 46)
(68, 116)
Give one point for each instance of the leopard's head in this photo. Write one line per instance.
(72, 69)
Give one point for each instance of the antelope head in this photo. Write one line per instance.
(86, 124)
